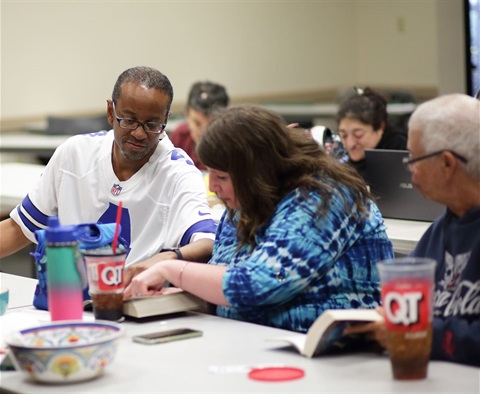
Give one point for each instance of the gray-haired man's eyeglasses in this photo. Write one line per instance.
(408, 161)
(130, 124)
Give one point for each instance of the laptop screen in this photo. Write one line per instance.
(390, 183)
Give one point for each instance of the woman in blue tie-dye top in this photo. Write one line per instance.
(300, 233)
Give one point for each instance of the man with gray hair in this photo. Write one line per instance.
(444, 143)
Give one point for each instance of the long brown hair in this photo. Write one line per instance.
(266, 160)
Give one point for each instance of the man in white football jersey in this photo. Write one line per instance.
(165, 213)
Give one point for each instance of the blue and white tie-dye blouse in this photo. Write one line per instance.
(303, 262)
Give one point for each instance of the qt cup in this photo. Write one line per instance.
(105, 272)
(407, 298)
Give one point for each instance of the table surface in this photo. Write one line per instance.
(21, 290)
(405, 234)
(330, 109)
(16, 180)
(31, 142)
(40, 143)
(218, 362)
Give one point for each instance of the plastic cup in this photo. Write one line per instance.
(105, 272)
(407, 298)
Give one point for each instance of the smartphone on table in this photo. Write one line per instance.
(167, 336)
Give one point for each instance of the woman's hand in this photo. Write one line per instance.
(147, 282)
(375, 331)
(134, 269)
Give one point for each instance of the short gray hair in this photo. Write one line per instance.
(450, 122)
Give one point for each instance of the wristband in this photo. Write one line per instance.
(178, 253)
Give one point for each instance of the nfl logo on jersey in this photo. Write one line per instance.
(116, 189)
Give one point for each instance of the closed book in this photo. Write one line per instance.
(180, 301)
(326, 334)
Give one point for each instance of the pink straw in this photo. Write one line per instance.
(117, 227)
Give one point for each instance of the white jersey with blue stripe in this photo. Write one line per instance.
(164, 203)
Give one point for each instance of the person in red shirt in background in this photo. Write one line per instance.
(203, 100)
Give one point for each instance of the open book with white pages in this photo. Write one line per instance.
(326, 333)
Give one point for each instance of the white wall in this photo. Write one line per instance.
(60, 57)
(450, 53)
(396, 42)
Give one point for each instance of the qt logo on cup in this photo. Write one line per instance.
(107, 276)
(407, 305)
(111, 276)
(403, 308)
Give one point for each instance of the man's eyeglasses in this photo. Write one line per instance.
(408, 161)
(130, 124)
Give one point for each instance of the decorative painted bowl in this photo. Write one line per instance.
(65, 351)
(4, 293)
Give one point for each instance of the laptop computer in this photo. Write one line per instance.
(390, 182)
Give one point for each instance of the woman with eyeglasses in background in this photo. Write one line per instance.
(363, 123)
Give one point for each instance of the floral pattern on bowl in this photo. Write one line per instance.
(65, 352)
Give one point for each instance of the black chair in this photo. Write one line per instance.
(76, 125)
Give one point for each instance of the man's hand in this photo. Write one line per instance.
(375, 331)
(132, 271)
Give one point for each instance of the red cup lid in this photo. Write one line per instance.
(276, 374)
